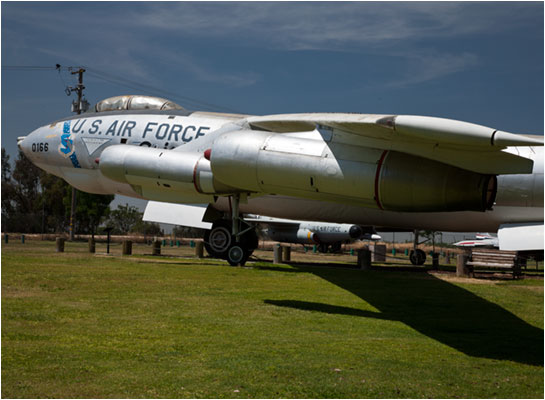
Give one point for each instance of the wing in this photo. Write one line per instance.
(461, 144)
(177, 214)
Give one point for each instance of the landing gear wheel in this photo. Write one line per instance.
(237, 255)
(417, 257)
(322, 248)
(336, 247)
(218, 240)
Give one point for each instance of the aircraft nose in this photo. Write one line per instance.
(24, 145)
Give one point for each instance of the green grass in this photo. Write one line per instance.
(89, 326)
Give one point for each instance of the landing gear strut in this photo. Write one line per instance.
(227, 241)
(417, 256)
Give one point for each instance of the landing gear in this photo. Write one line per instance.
(218, 240)
(333, 247)
(417, 256)
(336, 247)
(227, 241)
(323, 248)
(237, 255)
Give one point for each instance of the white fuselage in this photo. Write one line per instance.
(71, 149)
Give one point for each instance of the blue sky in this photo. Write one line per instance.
(477, 62)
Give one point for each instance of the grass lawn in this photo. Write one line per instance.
(80, 325)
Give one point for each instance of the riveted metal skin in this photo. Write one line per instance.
(295, 166)
(162, 174)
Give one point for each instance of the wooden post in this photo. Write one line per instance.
(199, 249)
(127, 247)
(435, 260)
(59, 244)
(92, 245)
(286, 253)
(462, 268)
(277, 254)
(156, 248)
(364, 259)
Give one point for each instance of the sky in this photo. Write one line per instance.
(476, 62)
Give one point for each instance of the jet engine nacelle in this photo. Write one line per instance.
(162, 175)
(292, 164)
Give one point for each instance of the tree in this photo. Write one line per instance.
(31, 196)
(91, 209)
(187, 232)
(8, 194)
(20, 195)
(52, 202)
(124, 218)
(146, 228)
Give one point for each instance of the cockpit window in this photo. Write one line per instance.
(136, 102)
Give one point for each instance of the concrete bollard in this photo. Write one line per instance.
(462, 268)
(199, 249)
(59, 242)
(378, 252)
(92, 245)
(127, 247)
(156, 248)
(286, 253)
(364, 259)
(277, 254)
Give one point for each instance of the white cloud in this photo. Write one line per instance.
(428, 67)
(123, 37)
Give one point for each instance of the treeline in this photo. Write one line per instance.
(34, 201)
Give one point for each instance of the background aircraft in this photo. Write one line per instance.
(481, 239)
(376, 170)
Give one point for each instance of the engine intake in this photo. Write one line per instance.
(162, 175)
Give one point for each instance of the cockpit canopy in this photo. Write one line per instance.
(135, 102)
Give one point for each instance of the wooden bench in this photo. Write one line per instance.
(494, 258)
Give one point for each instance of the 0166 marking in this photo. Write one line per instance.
(40, 147)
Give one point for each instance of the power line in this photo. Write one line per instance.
(121, 81)
(109, 77)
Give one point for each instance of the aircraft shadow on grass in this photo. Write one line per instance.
(440, 310)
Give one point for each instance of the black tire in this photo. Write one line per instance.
(417, 257)
(218, 240)
(322, 248)
(336, 247)
(237, 255)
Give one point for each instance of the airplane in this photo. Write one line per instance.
(481, 239)
(322, 234)
(393, 171)
(326, 235)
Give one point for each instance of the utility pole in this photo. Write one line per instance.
(77, 106)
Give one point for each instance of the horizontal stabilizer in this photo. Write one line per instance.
(176, 214)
